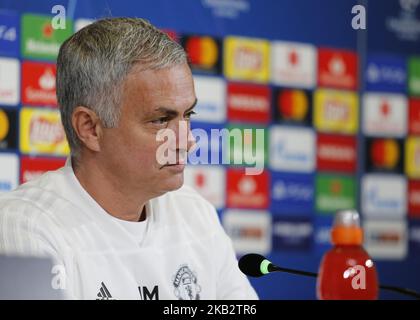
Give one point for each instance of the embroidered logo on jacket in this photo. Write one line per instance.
(185, 284)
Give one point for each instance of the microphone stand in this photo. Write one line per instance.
(408, 292)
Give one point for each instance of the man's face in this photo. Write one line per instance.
(152, 100)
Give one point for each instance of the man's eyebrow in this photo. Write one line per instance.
(172, 112)
(192, 106)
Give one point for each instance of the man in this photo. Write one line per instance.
(111, 217)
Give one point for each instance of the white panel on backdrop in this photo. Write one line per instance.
(386, 239)
(9, 81)
(293, 64)
(292, 149)
(209, 181)
(211, 95)
(9, 172)
(250, 230)
(384, 196)
(384, 114)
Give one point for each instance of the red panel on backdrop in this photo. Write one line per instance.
(414, 199)
(250, 103)
(336, 153)
(31, 168)
(38, 84)
(247, 191)
(414, 116)
(337, 68)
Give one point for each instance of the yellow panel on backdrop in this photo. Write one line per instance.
(412, 157)
(336, 111)
(41, 132)
(247, 59)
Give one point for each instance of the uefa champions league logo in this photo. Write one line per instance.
(409, 6)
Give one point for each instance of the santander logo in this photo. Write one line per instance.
(38, 84)
(47, 80)
(46, 92)
(247, 191)
(337, 66)
(247, 186)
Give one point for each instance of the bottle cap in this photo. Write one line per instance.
(346, 228)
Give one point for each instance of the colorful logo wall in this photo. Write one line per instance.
(328, 144)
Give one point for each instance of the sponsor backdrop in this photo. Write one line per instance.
(339, 109)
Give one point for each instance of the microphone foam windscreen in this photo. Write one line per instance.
(250, 264)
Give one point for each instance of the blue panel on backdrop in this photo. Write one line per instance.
(292, 194)
(322, 233)
(386, 73)
(393, 26)
(9, 33)
(326, 23)
(292, 233)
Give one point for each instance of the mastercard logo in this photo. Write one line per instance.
(385, 153)
(4, 125)
(202, 51)
(293, 104)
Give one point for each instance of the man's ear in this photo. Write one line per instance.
(87, 126)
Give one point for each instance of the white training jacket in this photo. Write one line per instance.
(179, 252)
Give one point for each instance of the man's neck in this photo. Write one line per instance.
(111, 195)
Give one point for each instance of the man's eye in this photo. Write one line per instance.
(160, 121)
(190, 114)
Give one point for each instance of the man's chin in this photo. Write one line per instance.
(174, 183)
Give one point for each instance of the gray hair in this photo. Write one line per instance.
(94, 62)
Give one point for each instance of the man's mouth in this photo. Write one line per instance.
(178, 164)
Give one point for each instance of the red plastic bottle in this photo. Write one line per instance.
(346, 271)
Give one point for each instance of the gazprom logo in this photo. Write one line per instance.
(292, 149)
(382, 203)
(384, 196)
(290, 155)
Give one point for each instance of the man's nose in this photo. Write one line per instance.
(191, 140)
(184, 137)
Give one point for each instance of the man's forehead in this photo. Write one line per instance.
(155, 90)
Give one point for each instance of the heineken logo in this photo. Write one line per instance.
(39, 37)
(334, 193)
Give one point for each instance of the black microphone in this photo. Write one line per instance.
(256, 265)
